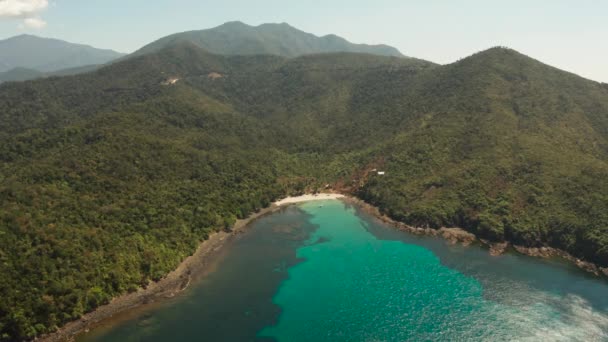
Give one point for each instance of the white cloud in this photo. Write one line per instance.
(34, 23)
(21, 8)
(27, 10)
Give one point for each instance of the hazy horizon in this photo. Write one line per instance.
(561, 33)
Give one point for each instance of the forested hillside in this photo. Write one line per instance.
(237, 38)
(109, 179)
(508, 148)
(24, 74)
(20, 74)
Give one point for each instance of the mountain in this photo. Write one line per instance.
(237, 38)
(20, 74)
(23, 74)
(109, 179)
(48, 55)
(507, 147)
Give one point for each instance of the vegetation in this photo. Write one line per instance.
(24, 74)
(109, 179)
(511, 150)
(237, 38)
(20, 74)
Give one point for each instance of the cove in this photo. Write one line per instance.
(325, 271)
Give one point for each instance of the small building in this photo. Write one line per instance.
(171, 81)
(381, 173)
(214, 76)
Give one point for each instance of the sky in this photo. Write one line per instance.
(571, 35)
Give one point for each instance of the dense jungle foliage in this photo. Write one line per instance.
(109, 179)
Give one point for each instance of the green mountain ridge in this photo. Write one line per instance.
(49, 55)
(109, 179)
(28, 57)
(20, 74)
(24, 74)
(237, 38)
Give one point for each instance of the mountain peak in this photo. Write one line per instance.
(502, 51)
(234, 24)
(278, 25)
(498, 55)
(49, 54)
(280, 39)
(23, 36)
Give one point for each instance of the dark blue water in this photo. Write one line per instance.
(326, 272)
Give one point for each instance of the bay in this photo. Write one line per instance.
(325, 271)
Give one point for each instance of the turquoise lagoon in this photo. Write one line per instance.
(325, 271)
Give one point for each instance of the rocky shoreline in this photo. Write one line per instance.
(178, 280)
(549, 252)
(460, 236)
(175, 282)
(198, 264)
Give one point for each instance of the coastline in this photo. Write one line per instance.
(307, 198)
(177, 280)
(461, 236)
(198, 263)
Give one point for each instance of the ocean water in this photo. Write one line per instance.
(324, 271)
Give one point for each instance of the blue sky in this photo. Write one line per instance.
(571, 35)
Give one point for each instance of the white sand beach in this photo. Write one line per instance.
(306, 198)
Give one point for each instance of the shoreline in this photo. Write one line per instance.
(176, 281)
(308, 198)
(461, 236)
(168, 287)
(198, 264)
